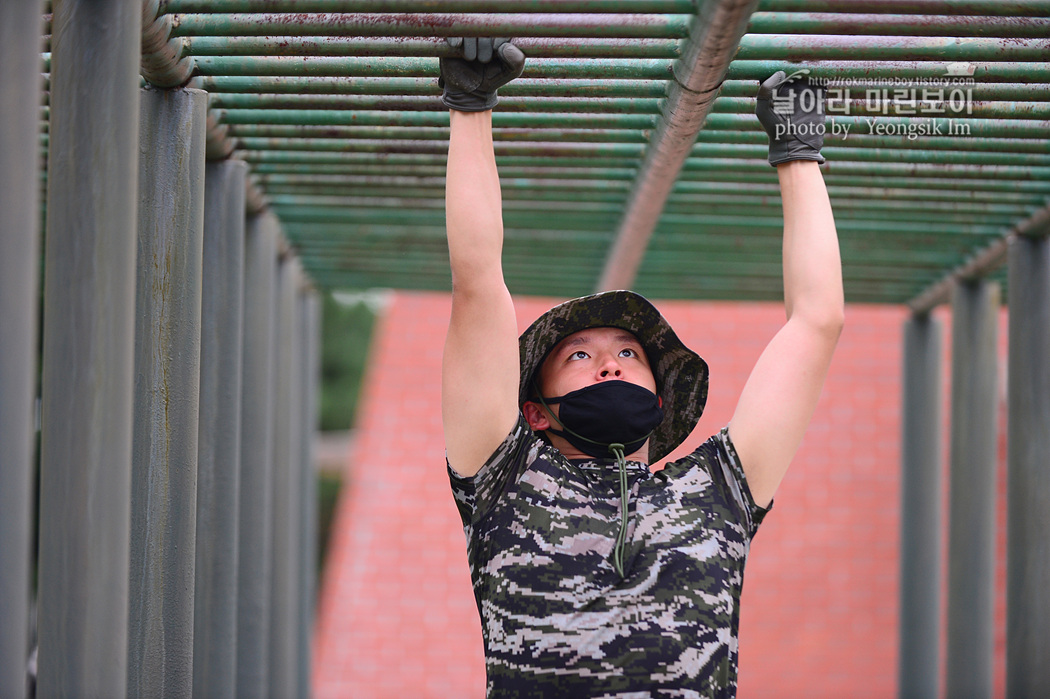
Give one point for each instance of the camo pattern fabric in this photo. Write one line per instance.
(557, 619)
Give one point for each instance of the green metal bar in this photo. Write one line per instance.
(954, 182)
(522, 87)
(894, 48)
(625, 26)
(436, 47)
(544, 6)
(423, 160)
(999, 25)
(333, 150)
(880, 126)
(888, 125)
(593, 150)
(1034, 8)
(938, 103)
(837, 71)
(433, 104)
(988, 92)
(728, 165)
(949, 143)
(431, 133)
(997, 151)
(697, 204)
(686, 193)
(377, 118)
(635, 69)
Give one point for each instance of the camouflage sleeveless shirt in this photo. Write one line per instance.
(557, 619)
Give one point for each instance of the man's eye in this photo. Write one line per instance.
(628, 353)
(578, 354)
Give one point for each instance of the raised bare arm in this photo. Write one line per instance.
(479, 378)
(781, 393)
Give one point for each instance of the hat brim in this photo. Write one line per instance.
(681, 374)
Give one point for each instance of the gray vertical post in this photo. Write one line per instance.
(310, 324)
(971, 538)
(254, 549)
(20, 93)
(286, 482)
(219, 440)
(89, 320)
(920, 605)
(167, 376)
(1028, 489)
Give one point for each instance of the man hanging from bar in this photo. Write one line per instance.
(593, 575)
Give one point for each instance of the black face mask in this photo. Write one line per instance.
(607, 413)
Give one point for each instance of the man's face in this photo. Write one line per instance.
(594, 355)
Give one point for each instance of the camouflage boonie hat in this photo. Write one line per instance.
(681, 375)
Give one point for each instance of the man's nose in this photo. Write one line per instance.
(610, 368)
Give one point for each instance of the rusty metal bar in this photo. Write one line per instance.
(543, 6)
(1015, 8)
(715, 34)
(522, 87)
(351, 67)
(998, 24)
(893, 48)
(163, 63)
(982, 262)
(436, 47)
(840, 71)
(625, 26)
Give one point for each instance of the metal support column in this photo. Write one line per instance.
(971, 536)
(286, 487)
(254, 549)
(918, 668)
(20, 93)
(89, 320)
(219, 441)
(167, 379)
(310, 366)
(1028, 490)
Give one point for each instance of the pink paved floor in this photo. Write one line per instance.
(819, 618)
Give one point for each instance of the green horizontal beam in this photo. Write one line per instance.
(882, 180)
(942, 104)
(988, 92)
(996, 128)
(842, 71)
(340, 117)
(432, 103)
(932, 7)
(996, 24)
(258, 149)
(434, 47)
(430, 133)
(597, 68)
(794, 47)
(892, 125)
(522, 87)
(545, 6)
(713, 202)
(669, 26)
(898, 142)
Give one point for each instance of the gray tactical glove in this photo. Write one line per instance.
(469, 84)
(792, 113)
